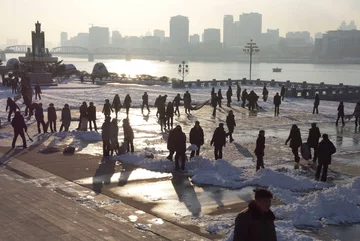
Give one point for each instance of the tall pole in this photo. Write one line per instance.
(183, 70)
(251, 48)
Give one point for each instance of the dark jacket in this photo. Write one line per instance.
(37, 89)
(260, 146)
(197, 136)
(51, 114)
(170, 110)
(106, 130)
(219, 95)
(219, 137)
(229, 92)
(341, 110)
(39, 114)
(265, 91)
(180, 141)
(325, 149)
(65, 114)
(170, 142)
(83, 111)
(294, 138)
(313, 138)
(106, 109)
(277, 100)
(91, 110)
(18, 123)
(114, 131)
(10, 104)
(317, 100)
(214, 100)
(177, 100)
(238, 89)
(282, 91)
(127, 101)
(145, 99)
(253, 225)
(116, 104)
(128, 132)
(230, 121)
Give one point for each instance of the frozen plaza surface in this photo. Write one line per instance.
(306, 202)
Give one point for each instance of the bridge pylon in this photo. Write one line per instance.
(3, 56)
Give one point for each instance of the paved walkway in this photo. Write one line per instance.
(28, 212)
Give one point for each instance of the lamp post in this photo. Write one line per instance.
(183, 70)
(251, 48)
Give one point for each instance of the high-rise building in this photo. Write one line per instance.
(116, 38)
(270, 38)
(229, 31)
(159, 33)
(250, 27)
(179, 32)
(81, 39)
(298, 37)
(98, 37)
(212, 35)
(339, 44)
(195, 39)
(63, 38)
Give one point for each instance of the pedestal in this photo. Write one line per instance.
(40, 78)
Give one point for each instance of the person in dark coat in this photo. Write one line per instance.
(37, 91)
(244, 97)
(127, 104)
(238, 91)
(180, 148)
(313, 140)
(341, 113)
(219, 141)
(252, 98)
(83, 113)
(106, 135)
(219, 97)
(114, 142)
(295, 142)
(187, 102)
(14, 86)
(91, 112)
(282, 93)
(325, 149)
(176, 102)
(196, 138)
(32, 107)
(107, 109)
(230, 122)
(18, 123)
(170, 115)
(52, 117)
(256, 223)
(128, 135)
(157, 104)
(214, 101)
(171, 144)
(116, 104)
(12, 106)
(65, 118)
(265, 93)
(212, 91)
(357, 114)
(228, 96)
(27, 102)
(162, 117)
(316, 104)
(277, 103)
(145, 102)
(39, 116)
(259, 150)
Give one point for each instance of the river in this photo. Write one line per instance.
(312, 73)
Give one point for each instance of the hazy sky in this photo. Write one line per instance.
(136, 17)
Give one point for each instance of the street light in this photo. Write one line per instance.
(251, 48)
(183, 70)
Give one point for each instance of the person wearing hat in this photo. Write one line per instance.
(259, 150)
(219, 141)
(196, 138)
(325, 149)
(52, 117)
(256, 223)
(65, 118)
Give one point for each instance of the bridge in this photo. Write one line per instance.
(78, 50)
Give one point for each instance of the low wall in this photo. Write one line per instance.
(293, 89)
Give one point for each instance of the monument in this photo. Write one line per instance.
(37, 58)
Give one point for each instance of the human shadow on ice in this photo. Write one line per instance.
(245, 152)
(103, 175)
(186, 193)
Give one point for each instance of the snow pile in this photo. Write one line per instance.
(286, 180)
(83, 135)
(336, 205)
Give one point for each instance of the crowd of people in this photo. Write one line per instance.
(165, 113)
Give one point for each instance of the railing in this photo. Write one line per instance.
(293, 89)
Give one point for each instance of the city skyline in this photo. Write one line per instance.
(77, 16)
